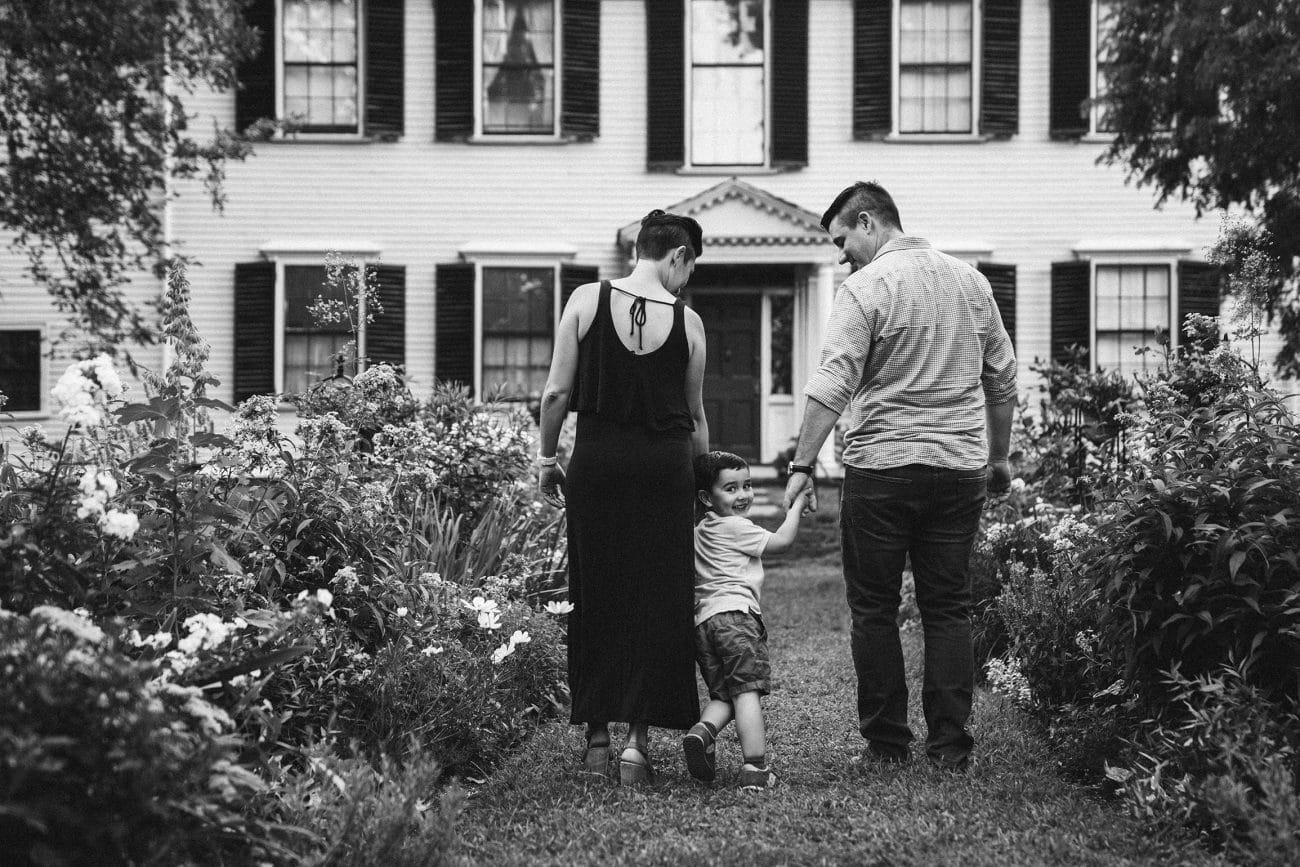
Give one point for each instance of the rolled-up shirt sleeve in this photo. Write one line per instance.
(998, 376)
(844, 353)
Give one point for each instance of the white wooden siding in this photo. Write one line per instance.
(1029, 200)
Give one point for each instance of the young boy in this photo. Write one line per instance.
(730, 639)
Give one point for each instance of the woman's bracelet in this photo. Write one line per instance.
(545, 462)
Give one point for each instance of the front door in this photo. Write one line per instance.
(731, 375)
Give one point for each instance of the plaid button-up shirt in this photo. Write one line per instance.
(915, 348)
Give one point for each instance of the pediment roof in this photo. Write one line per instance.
(735, 214)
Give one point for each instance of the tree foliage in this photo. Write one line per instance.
(1204, 96)
(95, 133)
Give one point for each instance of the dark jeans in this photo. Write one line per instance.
(930, 514)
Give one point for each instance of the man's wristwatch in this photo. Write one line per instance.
(793, 468)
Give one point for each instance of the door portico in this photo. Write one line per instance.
(763, 288)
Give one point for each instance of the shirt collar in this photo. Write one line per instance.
(903, 242)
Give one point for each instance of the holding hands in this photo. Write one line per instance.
(800, 493)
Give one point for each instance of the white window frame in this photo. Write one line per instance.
(509, 262)
(976, 73)
(360, 133)
(689, 164)
(311, 254)
(1132, 253)
(554, 137)
(45, 409)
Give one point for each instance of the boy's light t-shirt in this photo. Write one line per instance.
(728, 571)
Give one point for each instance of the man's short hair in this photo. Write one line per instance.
(866, 196)
(662, 232)
(710, 464)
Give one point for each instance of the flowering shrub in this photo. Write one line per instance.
(106, 760)
(1198, 564)
(1228, 766)
(385, 580)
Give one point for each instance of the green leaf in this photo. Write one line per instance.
(1234, 563)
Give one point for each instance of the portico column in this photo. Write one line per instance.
(821, 301)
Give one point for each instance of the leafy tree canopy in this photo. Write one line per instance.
(94, 132)
(1204, 96)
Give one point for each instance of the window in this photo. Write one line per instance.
(1132, 311)
(518, 331)
(782, 343)
(20, 370)
(1104, 12)
(935, 66)
(321, 89)
(728, 82)
(517, 85)
(314, 349)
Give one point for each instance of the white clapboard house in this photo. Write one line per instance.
(490, 155)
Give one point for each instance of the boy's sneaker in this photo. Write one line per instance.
(701, 753)
(754, 779)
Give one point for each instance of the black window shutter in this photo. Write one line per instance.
(665, 85)
(254, 329)
(1000, 90)
(873, 80)
(1071, 307)
(255, 95)
(386, 332)
(1071, 67)
(453, 332)
(1199, 291)
(385, 68)
(1002, 280)
(580, 101)
(573, 276)
(790, 84)
(453, 100)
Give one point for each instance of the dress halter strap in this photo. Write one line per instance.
(638, 316)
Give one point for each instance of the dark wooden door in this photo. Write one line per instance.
(731, 375)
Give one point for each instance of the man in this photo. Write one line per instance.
(917, 353)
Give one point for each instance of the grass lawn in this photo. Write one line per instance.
(1010, 808)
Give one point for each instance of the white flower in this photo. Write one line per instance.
(1017, 485)
(489, 620)
(432, 650)
(564, 607)
(122, 525)
(85, 388)
(499, 655)
(206, 631)
(520, 637)
(324, 597)
(157, 641)
(71, 622)
(481, 605)
(402, 611)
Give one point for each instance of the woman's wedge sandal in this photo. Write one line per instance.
(595, 760)
(634, 767)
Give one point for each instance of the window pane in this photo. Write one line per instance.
(518, 52)
(727, 116)
(518, 324)
(934, 66)
(727, 31)
(304, 285)
(310, 358)
(1132, 311)
(782, 343)
(320, 63)
(20, 370)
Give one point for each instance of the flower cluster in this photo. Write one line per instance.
(1006, 678)
(499, 655)
(489, 613)
(257, 437)
(85, 390)
(97, 487)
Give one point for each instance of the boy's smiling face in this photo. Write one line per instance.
(731, 494)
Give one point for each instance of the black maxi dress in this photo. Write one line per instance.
(629, 503)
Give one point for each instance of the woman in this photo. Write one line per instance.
(629, 359)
